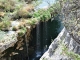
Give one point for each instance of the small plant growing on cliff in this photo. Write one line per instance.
(5, 24)
(43, 14)
(7, 5)
(44, 59)
(22, 31)
(70, 53)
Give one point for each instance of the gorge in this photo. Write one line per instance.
(30, 31)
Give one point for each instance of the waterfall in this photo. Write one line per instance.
(38, 41)
(42, 35)
(45, 36)
(26, 46)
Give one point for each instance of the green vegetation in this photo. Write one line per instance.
(46, 14)
(42, 14)
(17, 9)
(22, 31)
(10, 5)
(33, 21)
(70, 54)
(5, 24)
(37, 2)
(44, 59)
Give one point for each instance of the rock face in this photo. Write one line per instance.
(7, 40)
(57, 48)
(71, 19)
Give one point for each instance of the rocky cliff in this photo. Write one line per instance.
(64, 47)
(67, 45)
(71, 18)
(17, 19)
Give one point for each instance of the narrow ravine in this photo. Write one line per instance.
(42, 36)
(33, 30)
(34, 34)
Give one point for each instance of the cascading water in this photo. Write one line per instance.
(38, 41)
(37, 38)
(42, 35)
(45, 36)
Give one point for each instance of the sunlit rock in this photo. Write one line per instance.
(7, 40)
(62, 45)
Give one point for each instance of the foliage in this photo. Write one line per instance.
(5, 24)
(17, 9)
(10, 5)
(37, 2)
(6, 4)
(44, 59)
(46, 14)
(56, 7)
(70, 54)
(14, 28)
(33, 21)
(22, 31)
(43, 14)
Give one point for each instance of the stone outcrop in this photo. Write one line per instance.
(15, 26)
(57, 48)
(69, 36)
(7, 40)
(71, 17)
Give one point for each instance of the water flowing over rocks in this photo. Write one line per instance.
(56, 48)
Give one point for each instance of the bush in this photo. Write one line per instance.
(5, 24)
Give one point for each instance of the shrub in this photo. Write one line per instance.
(5, 24)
